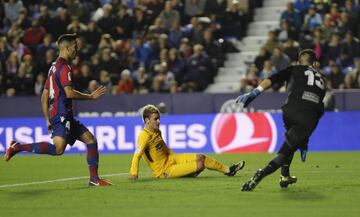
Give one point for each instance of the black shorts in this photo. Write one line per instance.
(299, 124)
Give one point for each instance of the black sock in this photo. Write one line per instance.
(285, 168)
(271, 167)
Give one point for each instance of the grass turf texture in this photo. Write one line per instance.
(328, 185)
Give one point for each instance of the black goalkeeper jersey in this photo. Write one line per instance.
(305, 87)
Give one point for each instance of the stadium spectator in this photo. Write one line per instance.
(194, 7)
(24, 22)
(354, 76)
(46, 20)
(106, 22)
(212, 48)
(123, 23)
(168, 16)
(39, 84)
(327, 28)
(45, 63)
(271, 42)
(353, 12)
(163, 80)
(251, 80)
(279, 59)
(105, 81)
(267, 71)
(61, 21)
(162, 161)
(92, 34)
(93, 85)
(336, 77)
(34, 35)
(200, 69)
(333, 48)
(12, 10)
(141, 81)
(261, 57)
(83, 79)
(176, 33)
(76, 26)
(292, 16)
(177, 65)
(285, 32)
(44, 47)
(302, 6)
(233, 21)
(312, 19)
(349, 49)
(291, 49)
(126, 83)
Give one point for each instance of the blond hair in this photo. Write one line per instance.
(149, 109)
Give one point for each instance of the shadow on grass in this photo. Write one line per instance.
(302, 194)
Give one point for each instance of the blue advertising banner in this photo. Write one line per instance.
(211, 133)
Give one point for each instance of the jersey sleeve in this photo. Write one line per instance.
(66, 76)
(142, 143)
(281, 76)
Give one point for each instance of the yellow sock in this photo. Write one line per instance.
(212, 164)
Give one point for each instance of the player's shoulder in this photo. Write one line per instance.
(144, 133)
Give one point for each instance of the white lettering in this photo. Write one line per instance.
(23, 135)
(197, 138)
(40, 136)
(106, 137)
(177, 136)
(163, 133)
(121, 139)
(2, 147)
(9, 135)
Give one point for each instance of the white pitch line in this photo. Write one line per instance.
(57, 180)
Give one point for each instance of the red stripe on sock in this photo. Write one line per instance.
(44, 147)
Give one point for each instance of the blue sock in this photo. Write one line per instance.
(92, 157)
(39, 148)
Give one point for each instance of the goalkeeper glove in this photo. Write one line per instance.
(245, 99)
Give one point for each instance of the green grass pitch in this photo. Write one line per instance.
(328, 185)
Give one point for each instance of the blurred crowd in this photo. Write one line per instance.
(129, 46)
(330, 27)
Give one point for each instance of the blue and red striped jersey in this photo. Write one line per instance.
(59, 76)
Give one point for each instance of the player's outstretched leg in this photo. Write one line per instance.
(285, 181)
(212, 164)
(38, 147)
(254, 181)
(234, 168)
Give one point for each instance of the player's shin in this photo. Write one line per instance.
(39, 148)
(212, 164)
(93, 161)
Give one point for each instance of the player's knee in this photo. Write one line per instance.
(200, 166)
(200, 160)
(59, 150)
(92, 140)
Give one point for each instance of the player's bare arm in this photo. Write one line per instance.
(74, 94)
(45, 108)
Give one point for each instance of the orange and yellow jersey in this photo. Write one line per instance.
(154, 151)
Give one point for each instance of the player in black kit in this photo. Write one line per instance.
(301, 113)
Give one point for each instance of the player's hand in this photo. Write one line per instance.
(245, 99)
(49, 126)
(98, 92)
(133, 177)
